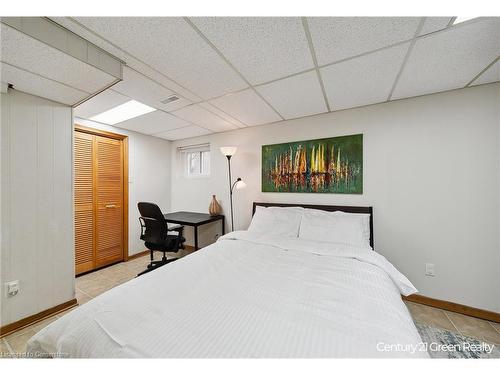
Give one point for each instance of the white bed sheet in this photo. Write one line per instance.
(247, 296)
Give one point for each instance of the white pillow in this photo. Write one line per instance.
(365, 222)
(276, 221)
(338, 227)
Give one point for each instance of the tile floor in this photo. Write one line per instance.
(91, 285)
(466, 325)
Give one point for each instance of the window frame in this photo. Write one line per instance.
(204, 155)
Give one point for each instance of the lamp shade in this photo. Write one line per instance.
(240, 185)
(228, 151)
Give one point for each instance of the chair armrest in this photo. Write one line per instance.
(143, 226)
(175, 228)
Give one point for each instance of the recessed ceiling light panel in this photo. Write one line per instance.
(123, 112)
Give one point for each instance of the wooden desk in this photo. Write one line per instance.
(194, 219)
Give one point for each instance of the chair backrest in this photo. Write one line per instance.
(153, 222)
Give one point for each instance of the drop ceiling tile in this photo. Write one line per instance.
(153, 123)
(203, 118)
(40, 86)
(170, 45)
(222, 114)
(81, 30)
(449, 59)
(432, 24)
(296, 96)
(337, 38)
(22, 51)
(261, 48)
(247, 107)
(100, 103)
(492, 74)
(141, 88)
(364, 80)
(187, 132)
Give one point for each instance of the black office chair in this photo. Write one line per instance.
(154, 233)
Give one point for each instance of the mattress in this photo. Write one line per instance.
(247, 296)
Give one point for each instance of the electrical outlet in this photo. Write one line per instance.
(12, 288)
(429, 269)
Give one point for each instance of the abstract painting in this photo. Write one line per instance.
(329, 165)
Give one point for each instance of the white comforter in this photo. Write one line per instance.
(247, 296)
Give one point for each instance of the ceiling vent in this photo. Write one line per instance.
(170, 99)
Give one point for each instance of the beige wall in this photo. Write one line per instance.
(431, 172)
(37, 243)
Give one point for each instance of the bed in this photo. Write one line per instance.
(249, 295)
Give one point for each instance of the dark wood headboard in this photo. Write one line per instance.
(350, 209)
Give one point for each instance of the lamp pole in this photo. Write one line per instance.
(230, 191)
(228, 152)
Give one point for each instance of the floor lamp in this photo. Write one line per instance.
(238, 183)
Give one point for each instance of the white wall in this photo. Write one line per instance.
(149, 176)
(37, 243)
(431, 172)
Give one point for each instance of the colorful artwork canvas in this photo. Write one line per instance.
(329, 165)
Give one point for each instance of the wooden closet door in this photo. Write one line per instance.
(84, 202)
(108, 164)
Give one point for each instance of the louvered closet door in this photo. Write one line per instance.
(109, 200)
(84, 202)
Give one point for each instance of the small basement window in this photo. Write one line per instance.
(196, 160)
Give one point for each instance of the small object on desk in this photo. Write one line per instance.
(194, 219)
(214, 209)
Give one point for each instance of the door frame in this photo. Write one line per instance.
(124, 139)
